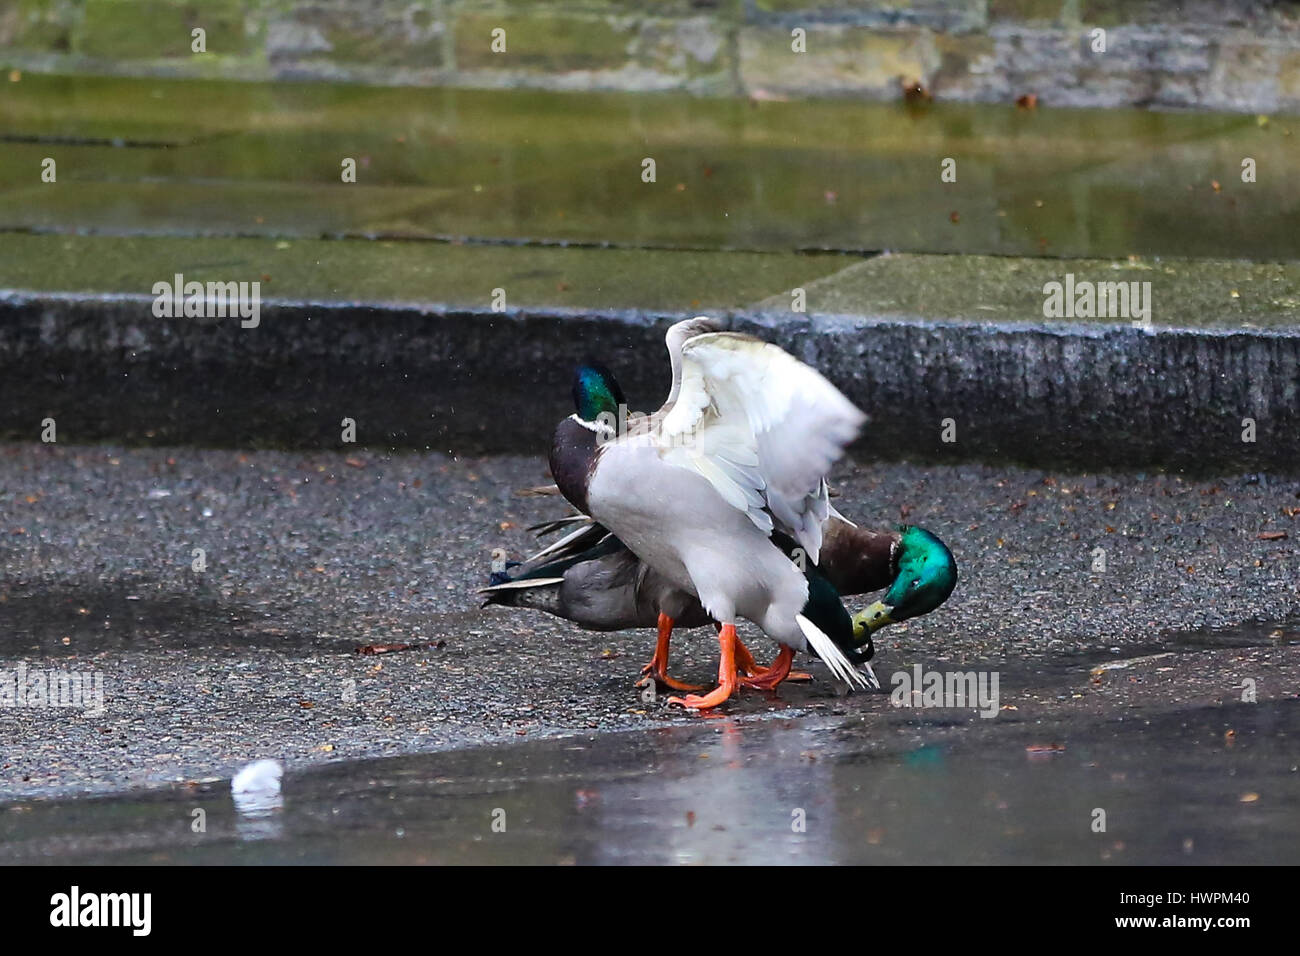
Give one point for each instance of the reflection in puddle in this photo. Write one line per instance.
(881, 788)
(256, 793)
(259, 818)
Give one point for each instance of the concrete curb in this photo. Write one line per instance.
(425, 376)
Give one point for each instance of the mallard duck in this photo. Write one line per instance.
(698, 491)
(924, 575)
(593, 579)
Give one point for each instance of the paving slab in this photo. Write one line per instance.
(1227, 295)
(386, 273)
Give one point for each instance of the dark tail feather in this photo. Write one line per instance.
(540, 593)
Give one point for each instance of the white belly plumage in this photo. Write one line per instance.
(678, 524)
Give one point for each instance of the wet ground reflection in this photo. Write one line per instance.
(802, 789)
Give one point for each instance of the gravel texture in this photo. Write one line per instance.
(311, 554)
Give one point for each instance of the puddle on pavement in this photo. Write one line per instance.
(880, 787)
(1062, 667)
(259, 159)
(1242, 635)
(1174, 790)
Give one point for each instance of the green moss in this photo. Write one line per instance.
(409, 34)
(543, 42)
(1112, 13)
(1201, 293)
(654, 8)
(360, 271)
(153, 29)
(44, 25)
(789, 6)
(1026, 10)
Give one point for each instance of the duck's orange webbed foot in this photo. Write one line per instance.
(727, 678)
(756, 675)
(746, 666)
(774, 675)
(657, 669)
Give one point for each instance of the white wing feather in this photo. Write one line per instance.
(763, 428)
(834, 658)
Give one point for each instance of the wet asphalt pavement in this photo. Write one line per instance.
(310, 555)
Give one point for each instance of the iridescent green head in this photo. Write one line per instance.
(927, 574)
(596, 392)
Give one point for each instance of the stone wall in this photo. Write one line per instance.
(1215, 54)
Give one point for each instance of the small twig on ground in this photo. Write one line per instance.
(393, 648)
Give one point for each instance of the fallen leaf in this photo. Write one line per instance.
(393, 648)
